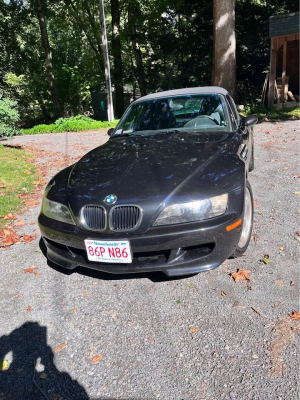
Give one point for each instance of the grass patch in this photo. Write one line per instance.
(72, 124)
(273, 114)
(13, 163)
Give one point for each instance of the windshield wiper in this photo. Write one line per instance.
(173, 131)
(124, 135)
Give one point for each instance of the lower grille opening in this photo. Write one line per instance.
(161, 256)
(199, 250)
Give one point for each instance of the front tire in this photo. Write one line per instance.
(247, 223)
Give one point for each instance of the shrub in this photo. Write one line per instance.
(9, 118)
(72, 124)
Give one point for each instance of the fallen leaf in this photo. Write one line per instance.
(28, 238)
(296, 176)
(4, 366)
(43, 375)
(19, 223)
(189, 285)
(296, 192)
(281, 248)
(9, 216)
(2, 186)
(31, 202)
(86, 293)
(19, 296)
(241, 274)
(266, 259)
(27, 172)
(298, 233)
(28, 308)
(223, 293)
(23, 196)
(74, 309)
(292, 283)
(178, 301)
(194, 330)
(35, 183)
(8, 236)
(295, 315)
(113, 314)
(279, 283)
(30, 270)
(60, 347)
(95, 283)
(96, 359)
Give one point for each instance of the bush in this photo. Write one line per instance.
(72, 124)
(9, 118)
(273, 114)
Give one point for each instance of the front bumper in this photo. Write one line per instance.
(176, 250)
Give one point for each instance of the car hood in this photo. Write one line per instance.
(150, 171)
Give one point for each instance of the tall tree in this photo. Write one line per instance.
(133, 10)
(48, 56)
(117, 56)
(224, 60)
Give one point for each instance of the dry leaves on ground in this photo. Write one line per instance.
(295, 315)
(19, 223)
(96, 359)
(30, 270)
(60, 347)
(28, 238)
(241, 274)
(266, 259)
(9, 216)
(32, 202)
(194, 330)
(8, 237)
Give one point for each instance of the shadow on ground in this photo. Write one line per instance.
(24, 351)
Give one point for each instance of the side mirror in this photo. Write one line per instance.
(250, 120)
(110, 131)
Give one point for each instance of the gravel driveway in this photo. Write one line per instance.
(54, 324)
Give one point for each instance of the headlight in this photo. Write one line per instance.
(56, 211)
(193, 211)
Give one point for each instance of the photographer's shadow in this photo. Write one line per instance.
(24, 353)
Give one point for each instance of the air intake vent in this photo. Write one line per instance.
(124, 218)
(93, 217)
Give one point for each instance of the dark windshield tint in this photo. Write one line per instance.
(191, 112)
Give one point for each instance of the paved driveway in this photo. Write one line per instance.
(53, 324)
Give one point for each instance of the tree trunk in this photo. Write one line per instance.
(116, 53)
(224, 63)
(43, 108)
(136, 49)
(48, 57)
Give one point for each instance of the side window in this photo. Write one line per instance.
(234, 109)
(231, 115)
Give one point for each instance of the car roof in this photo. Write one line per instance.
(185, 91)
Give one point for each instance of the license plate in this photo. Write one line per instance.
(108, 251)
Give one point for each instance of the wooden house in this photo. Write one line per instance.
(284, 59)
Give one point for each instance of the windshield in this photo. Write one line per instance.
(203, 112)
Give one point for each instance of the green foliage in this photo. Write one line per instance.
(9, 118)
(72, 124)
(13, 163)
(273, 114)
(175, 38)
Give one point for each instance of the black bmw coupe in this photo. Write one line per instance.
(169, 190)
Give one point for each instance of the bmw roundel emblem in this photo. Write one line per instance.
(110, 199)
